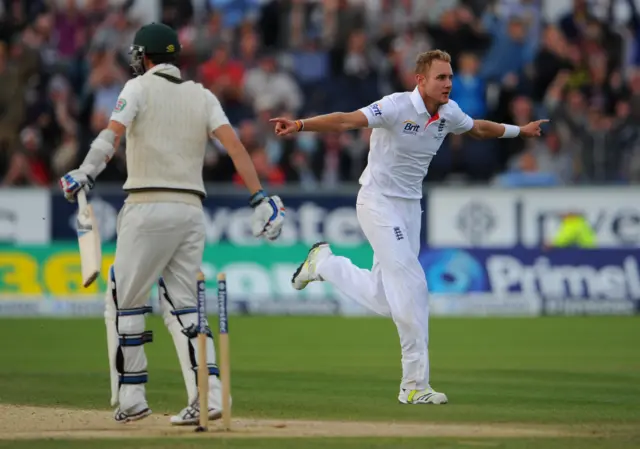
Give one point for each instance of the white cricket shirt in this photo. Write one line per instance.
(404, 140)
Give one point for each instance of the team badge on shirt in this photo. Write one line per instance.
(120, 105)
(440, 134)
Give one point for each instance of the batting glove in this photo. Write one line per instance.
(268, 215)
(73, 182)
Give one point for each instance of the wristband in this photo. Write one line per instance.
(299, 125)
(510, 131)
(257, 198)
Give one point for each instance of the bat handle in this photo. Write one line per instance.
(82, 199)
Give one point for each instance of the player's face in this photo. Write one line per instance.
(436, 83)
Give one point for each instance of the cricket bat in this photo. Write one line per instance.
(203, 368)
(88, 241)
(225, 363)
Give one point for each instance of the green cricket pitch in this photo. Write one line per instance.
(332, 382)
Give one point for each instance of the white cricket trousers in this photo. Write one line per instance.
(156, 239)
(396, 285)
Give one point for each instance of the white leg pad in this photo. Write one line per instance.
(182, 325)
(112, 336)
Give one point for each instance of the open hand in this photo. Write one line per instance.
(284, 126)
(532, 129)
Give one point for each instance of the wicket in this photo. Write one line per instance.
(223, 344)
(225, 363)
(203, 368)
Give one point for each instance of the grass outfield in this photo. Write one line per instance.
(582, 373)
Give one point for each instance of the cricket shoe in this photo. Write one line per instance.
(190, 415)
(133, 414)
(427, 396)
(306, 272)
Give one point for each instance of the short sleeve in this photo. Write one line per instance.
(460, 120)
(382, 113)
(128, 104)
(216, 116)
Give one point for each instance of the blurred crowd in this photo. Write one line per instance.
(64, 62)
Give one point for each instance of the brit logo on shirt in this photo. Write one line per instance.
(376, 109)
(410, 127)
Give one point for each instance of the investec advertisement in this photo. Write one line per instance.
(310, 218)
(500, 218)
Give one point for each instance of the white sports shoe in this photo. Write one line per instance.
(306, 272)
(133, 414)
(190, 415)
(427, 396)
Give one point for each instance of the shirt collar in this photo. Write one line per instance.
(418, 102)
(169, 69)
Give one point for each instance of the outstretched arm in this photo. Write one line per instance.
(334, 122)
(380, 114)
(485, 129)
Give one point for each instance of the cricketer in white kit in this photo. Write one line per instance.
(161, 228)
(409, 128)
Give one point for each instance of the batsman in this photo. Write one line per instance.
(167, 122)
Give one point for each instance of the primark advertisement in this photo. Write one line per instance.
(484, 253)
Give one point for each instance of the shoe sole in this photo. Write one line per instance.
(299, 269)
(194, 422)
(137, 417)
(423, 403)
(446, 400)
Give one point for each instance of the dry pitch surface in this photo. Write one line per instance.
(28, 422)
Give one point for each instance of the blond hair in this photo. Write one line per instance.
(424, 60)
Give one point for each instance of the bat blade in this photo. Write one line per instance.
(88, 241)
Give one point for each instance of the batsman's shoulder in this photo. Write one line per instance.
(134, 84)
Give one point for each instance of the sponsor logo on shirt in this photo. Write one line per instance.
(410, 127)
(375, 109)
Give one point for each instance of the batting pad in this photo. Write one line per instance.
(125, 345)
(182, 325)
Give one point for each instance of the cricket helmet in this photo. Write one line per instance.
(154, 39)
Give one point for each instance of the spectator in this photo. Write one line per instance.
(469, 90)
(63, 63)
(550, 60)
(266, 87)
(509, 53)
(28, 166)
(269, 174)
(222, 75)
(70, 30)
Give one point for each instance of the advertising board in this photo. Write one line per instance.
(24, 216)
(529, 218)
(46, 280)
(310, 218)
(532, 281)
